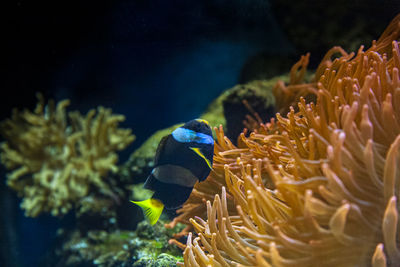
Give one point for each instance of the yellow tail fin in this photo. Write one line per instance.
(152, 209)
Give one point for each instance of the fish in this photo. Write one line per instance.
(182, 159)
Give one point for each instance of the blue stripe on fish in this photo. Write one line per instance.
(184, 135)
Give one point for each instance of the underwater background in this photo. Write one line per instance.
(158, 63)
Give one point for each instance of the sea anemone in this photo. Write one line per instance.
(317, 187)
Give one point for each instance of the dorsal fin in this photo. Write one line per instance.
(160, 147)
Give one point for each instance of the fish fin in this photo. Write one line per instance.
(152, 209)
(202, 120)
(160, 148)
(198, 152)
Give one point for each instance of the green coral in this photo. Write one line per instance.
(147, 246)
(163, 260)
(255, 97)
(139, 192)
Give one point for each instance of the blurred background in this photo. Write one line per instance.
(158, 63)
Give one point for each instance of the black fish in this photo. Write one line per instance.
(182, 158)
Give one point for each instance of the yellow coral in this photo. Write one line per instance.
(56, 163)
(318, 187)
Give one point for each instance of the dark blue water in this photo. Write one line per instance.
(156, 62)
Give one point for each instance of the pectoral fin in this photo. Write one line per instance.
(198, 152)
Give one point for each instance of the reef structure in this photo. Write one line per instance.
(57, 157)
(317, 187)
(146, 247)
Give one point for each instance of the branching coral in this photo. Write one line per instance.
(55, 163)
(318, 187)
